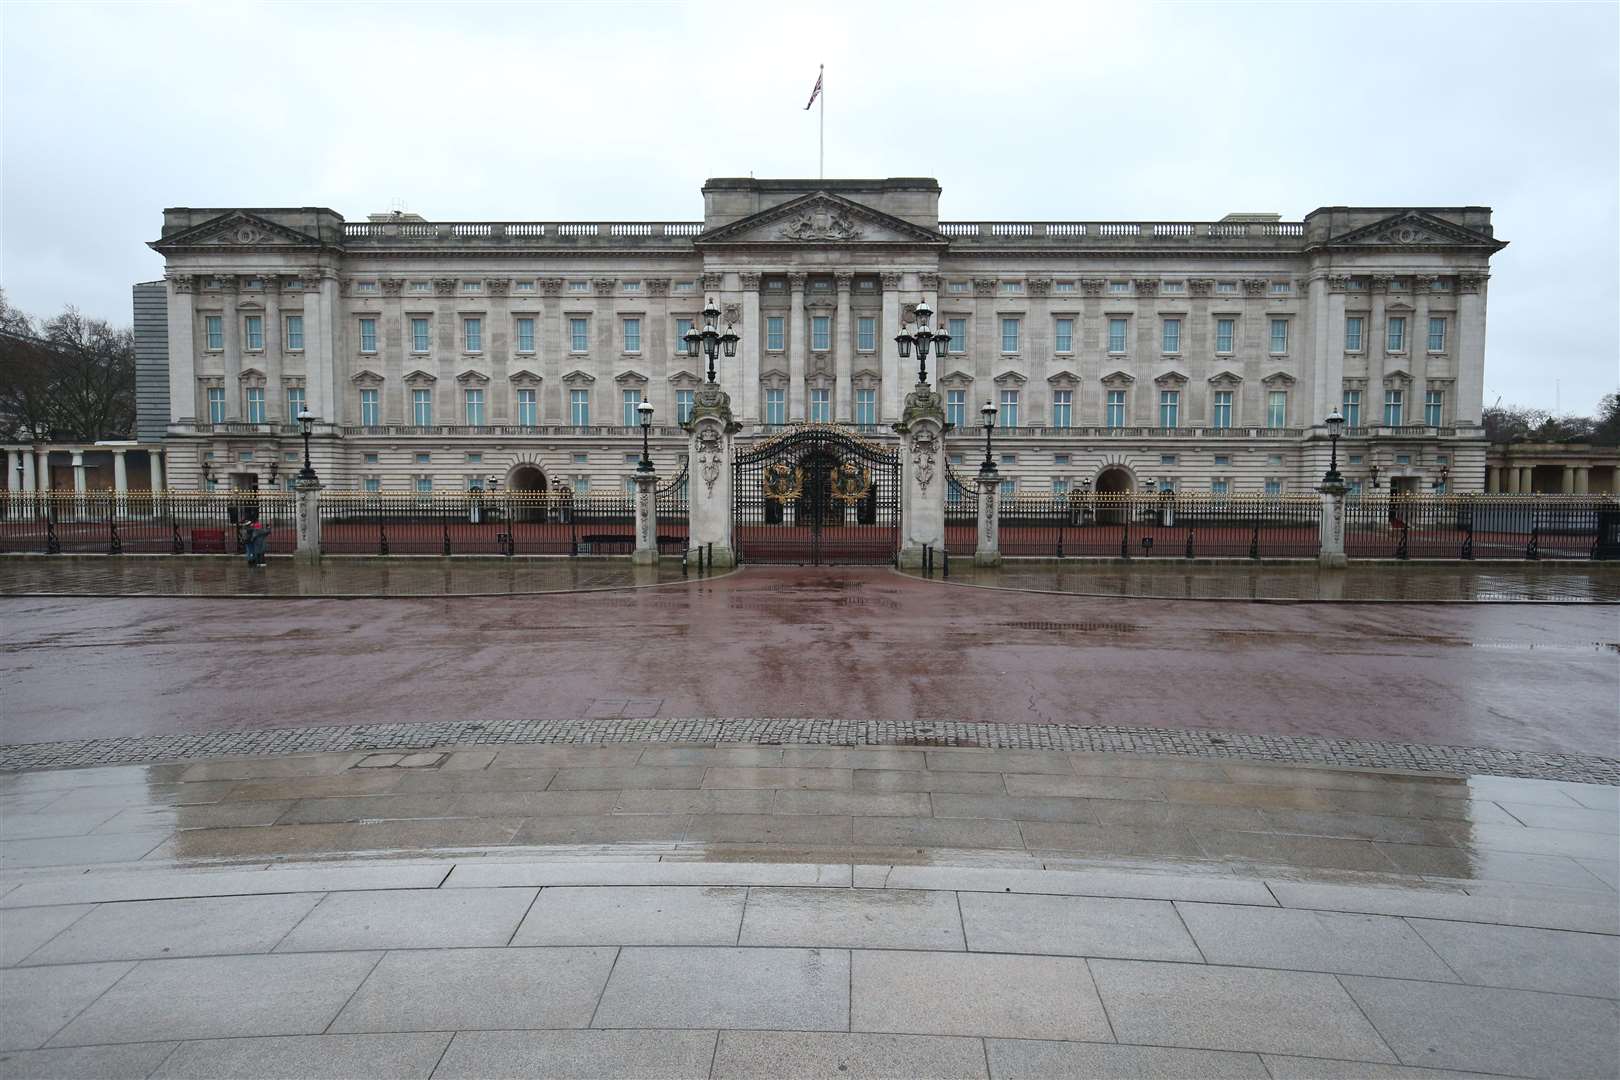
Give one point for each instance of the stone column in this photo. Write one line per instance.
(922, 476)
(1583, 479)
(308, 498)
(1527, 480)
(753, 330)
(1567, 486)
(44, 460)
(646, 553)
(29, 475)
(78, 471)
(120, 480)
(1493, 479)
(1330, 553)
(796, 348)
(155, 460)
(988, 553)
(13, 468)
(843, 345)
(710, 449)
(889, 399)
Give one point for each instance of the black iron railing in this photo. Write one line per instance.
(1166, 525)
(477, 523)
(143, 522)
(1395, 526)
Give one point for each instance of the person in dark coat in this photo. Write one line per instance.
(256, 538)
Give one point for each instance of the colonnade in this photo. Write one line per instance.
(1519, 479)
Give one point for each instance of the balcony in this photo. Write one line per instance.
(373, 235)
(1270, 235)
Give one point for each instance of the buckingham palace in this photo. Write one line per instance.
(1188, 356)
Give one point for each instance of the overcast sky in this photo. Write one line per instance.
(599, 111)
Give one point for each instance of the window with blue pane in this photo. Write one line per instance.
(1172, 335)
(956, 407)
(774, 335)
(1437, 335)
(1116, 335)
(422, 407)
(1279, 335)
(214, 331)
(1217, 486)
(255, 405)
(1224, 332)
(368, 408)
(1009, 409)
(216, 405)
(1060, 486)
(295, 402)
(1114, 411)
(1009, 335)
(474, 334)
(1273, 486)
(1169, 408)
(632, 399)
(475, 407)
(368, 335)
(1063, 408)
(683, 406)
(419, 335)
(681, 327)
(525, 335)
(1433, 401)
(579, 335)
(1277, 409)
(776, 406)
(295, 332)
(528, 408)
(958, 332)
(866, 334)
(1395, 337)
(1009, 487)
(1352, 334)
(1221, 415)
(1063, 336)
(821, 406)
(1351, 408)
(1394, 407)
(632, 335)
(373, 483)
(579, 407)
(821, 332)
(866, 406)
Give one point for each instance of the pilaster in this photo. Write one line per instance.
(797, 345)
(843, 347)
(889, 398)
(753, 333)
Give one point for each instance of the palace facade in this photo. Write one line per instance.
(1199, 356)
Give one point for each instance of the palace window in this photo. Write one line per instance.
(1116, 335)
(1224, 329)
(1009, 409)
(295, 333)
(1279, 287)
(1217, 486)
(1279, 335)
(373, 483)
(1352, 408)
(1394, 407)
(632, 335)
(579, 335)
(475, 407)
(1010, 287)
(1009, 335)
(523, 286)
(214, 331)
(216, 405)
(1173, 287)
(683, 406)
(957, 287)
(821, 405)
(866, 334)
(1273, 486)
(368, 408)
(866, 406)
(1060, 485)
(1060, 459)
(1063, 286)
(774, 336)
(254, 327)
(1433, 403)
(581, 459)
(474, 458)
(1167, 459)
(1172, 336)
(820, 332)
(681, 327)
(1169, 408)
(419, 335)
(958, 331)
(1227, 287)
(255, 405)
(371, 459)
(579, 286)
(956, 407)
(1009, 487)
(685, 286)
(424, 485)
(579, 407)
(472, 286)
(629, 286)
(775, 406)
(1119, 286)
(424, 458)
(1277, 409)
(1223, 459)
(632, 399)
(525, 335)
(1063, 339)
(368, 335)
(1114, 413)
(295, 401)
(1062, 408)
(1222, 413)
(528, 408)
(1437, 335)
(1352, 334)
(474, 334)
(1395, 339)
(421, 286)
(422, 407)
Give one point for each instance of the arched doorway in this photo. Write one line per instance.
(1115, 480)
(526, 478)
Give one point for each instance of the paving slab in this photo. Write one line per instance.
(159, 929)
(852, 919)
(1022, 997)
(1002, 761)
(410, 919)
(1451, 905)
(701, 801)
(536, 803)
(938, 832)
(1283, 1067)
(1580, 819)
(394, 807)
(1503, 1031)
(616, 778)
(769, 1055)
(474, 989)
(634, 915)
(1300, 940)
(1244, 1009)
(214, 815)
(1316, 852)
(1023, 1059)
(602, 829)
(308, 1057)
(1481, 864)
(855, 757)
(532, 757)
(447, 779)
(1082, 787)
(791, 829)
(36, 1002)
(479, 873)
(85, 1062)
(1526, 958)
(17, 825)
(1171, 841)
(712, 755)
(801, 989)
(820, 779)
(1216, 888)
(22, 930)
(579, 1055)
(164, 884)
(1075, 926)
(1013, 808)
(985, 783)
(78, 850)
(220, 996)
(853, 803)
(278, 841)
(255, 768)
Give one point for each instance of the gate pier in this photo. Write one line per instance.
(711, 454)
(922, 483)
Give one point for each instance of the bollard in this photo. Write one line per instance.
(946, 562)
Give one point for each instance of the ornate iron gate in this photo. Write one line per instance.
(816, 494)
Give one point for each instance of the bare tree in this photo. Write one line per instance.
(70, 378)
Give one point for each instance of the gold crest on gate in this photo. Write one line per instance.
(783, 482)
(850, 482)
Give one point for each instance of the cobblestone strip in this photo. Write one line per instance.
(1180, 742)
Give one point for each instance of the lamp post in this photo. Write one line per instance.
(1439, 483)
(306, 422)
(710, 339)
(1372, 473)
(645, 411)
(1335, 424)
(923, 338)
(988, 411)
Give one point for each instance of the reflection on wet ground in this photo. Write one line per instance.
(337, 577)
(1392, 582)
(821, 804)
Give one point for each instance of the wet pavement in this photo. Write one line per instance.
(845, 643)
(714, 911)
(1388, 582)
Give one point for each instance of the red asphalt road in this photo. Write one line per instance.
(838, 643)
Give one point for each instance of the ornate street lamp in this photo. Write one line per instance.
(306, 421)
(710, 339)
(923, 337)
(645, 411)
(988, 411)
(1335, 424)
(1372, 473)
(1439, 482)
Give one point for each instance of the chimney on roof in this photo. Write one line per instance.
(1252, 217)
(394, 215)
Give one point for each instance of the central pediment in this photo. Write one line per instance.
(820, 218)
(237, 228)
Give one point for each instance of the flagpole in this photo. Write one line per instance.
(821, 155)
